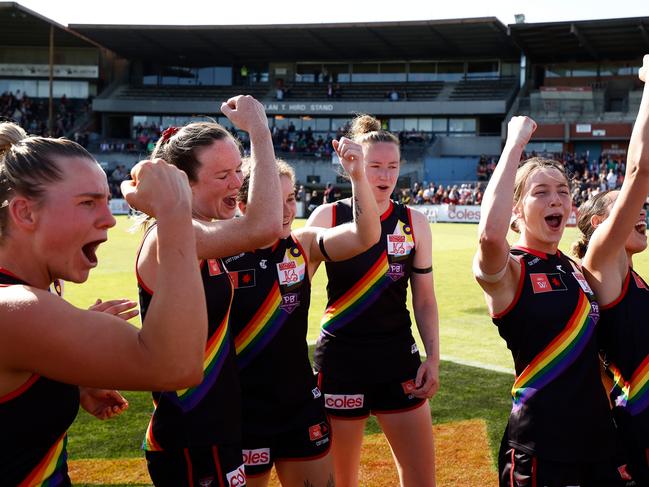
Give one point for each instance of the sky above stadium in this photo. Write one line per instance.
(242, 12)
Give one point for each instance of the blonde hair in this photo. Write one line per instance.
(525, 170)
(366, 129)
(596, 205)
(27, 164)
(283, 169)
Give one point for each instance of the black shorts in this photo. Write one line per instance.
(308, 440)
(208, 466)
(355, 399)
(520, 469)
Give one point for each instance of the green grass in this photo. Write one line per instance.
(466, 335)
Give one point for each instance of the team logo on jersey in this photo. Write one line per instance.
(583, 283)
(639, 283)
(545, 283)
(290, 301)
(237, 478)
(316, 393)
(214, 267)
(344, 401)
(409, 387)
(395, 271)
(400, 241)
(318, 431)
(245, 278)
(260, 456)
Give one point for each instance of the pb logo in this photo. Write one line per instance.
(237, 478)
(344, 401)
(260, 456)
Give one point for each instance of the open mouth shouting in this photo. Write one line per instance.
(554, 220)
(89, 251)
(641, 227)
(230, 202)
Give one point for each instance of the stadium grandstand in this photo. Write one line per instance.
(446, 87)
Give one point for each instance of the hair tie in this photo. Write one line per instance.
(169, 132)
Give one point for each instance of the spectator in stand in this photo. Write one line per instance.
(611, 178)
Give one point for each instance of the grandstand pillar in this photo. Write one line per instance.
(50, 117)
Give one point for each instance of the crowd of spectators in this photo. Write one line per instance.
(32, 114)
(424, 193)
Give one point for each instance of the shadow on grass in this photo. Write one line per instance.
(465, 393)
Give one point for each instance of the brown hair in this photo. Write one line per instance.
(180, 148)
(525, 170)
(27, 164)
(366, 129)
(283, 169)
(596, 205)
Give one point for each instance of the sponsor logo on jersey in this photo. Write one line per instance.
(395, 271)
(205, 481)
(234, 257)
(583, 283)
(260, 456)
(318, 431)
(236, 478)
(639, 283)
(414, 349)
(535, 260)
(262, 263)
(397, 245)
(214, 267)
(287, 273)
(290, 301)
(316, 393)
(560, 268)
(344, 401)
(545, 283)
(409, 386)
(243, 279)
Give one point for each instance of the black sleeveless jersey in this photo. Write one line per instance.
(624, 338)
(269, 319)
(366, 320)
(34, 420)
(560, 410)
(210, 413)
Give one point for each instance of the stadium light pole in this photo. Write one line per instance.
(50, 118)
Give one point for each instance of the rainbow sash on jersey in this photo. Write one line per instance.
(261, 329)
(359, 297)
(639, 389)
(216, 352)
(560, 354)
(48, 473)
(620, 391)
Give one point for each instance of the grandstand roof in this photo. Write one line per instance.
(213, 45)
(609, 39)
(24, 27)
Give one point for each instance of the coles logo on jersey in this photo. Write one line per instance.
(260, 456)
(545, 283)
(318, 431)
(583, 283)
(344, 401)
(237, 478)
(214, 267)
(290, 301)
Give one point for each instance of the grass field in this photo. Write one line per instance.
(474, 378)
